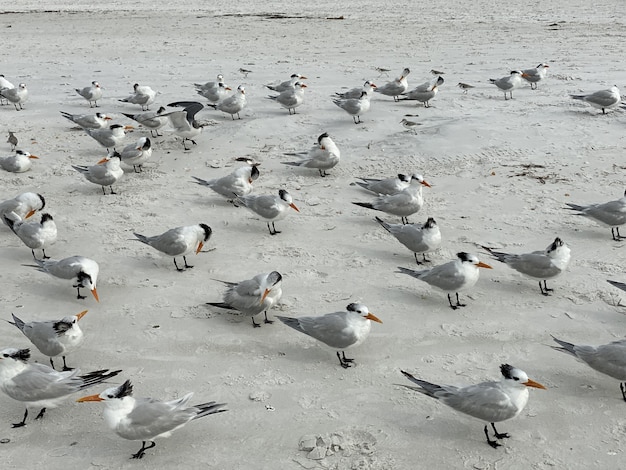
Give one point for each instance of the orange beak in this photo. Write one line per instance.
(302, 77)
(267, 291)
(108, 118)
(303, 85)
(104, 160)
(250, 180)
(483, 265)
(293, 206)
(81, 314)
(30, 214)
(371, 316)
(228, 88)
(34, 156)
(373, 85)
(200, 245)
(532, 383)
(426, 184)
(95, 294)
(90, 398)
(128, 128)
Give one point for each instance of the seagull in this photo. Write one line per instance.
(142, 95)
(145, 419)
(179, 241)
(368, 87)
(84, 270)
(91, 93)
(403, 203)
(288, 84)
(153, 120)
(105, 173)
(291, 98)
(417, 238)
(88, 121)
(610, 214)
(17, 96)
(534, 76)
(387, 185)
(137, 154)
(323, 156)
(410, 125)
(465, 87)
(338, 330)
(542, 265)
(237, 183)
(396, 87)
(184, 122)
(492, 402)
(253, 296)
(40, 386)
(269, 207)
(424, 92)
(355, 106)
(509, 83)
(35, 235)
(24, 205)
(453, 276)
(18, 162)
(53, 338)
(609, 359)
(12, 139)
(109, 137)
(216, 94)
(234, 104)
(603, 99)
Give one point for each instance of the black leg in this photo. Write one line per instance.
(255, 324)
(452, 306)
(425, 260)
(545, 289)
(272, 230)
(269, 322)
(23, 422)
(186, 265)
(622, 387)
(52, 363)
(493, 444)
(180, 270)
(143, 449)
(65, 368)
(103, 191)
(504, 435)
(44, 254)
(416, 260)
(111, 188)
(33, 252)
(78, 296)
(458, 302)
(41, 413)
(343, 361)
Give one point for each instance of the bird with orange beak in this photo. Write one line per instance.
(19, 162)
(24, 205)
(269, 207)
(84, 270)
(105, 173)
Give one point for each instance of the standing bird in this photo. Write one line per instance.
(153, 120)
(18, 162)
(137, 154)
(403, 203)
(269, 207)
(216, 94)
(492, 402)
(91, 93)
(509, 83)
(322, 156)
(610, 214)
(534, 76)
(210, 85)
(465, 87)
(603, 99)
(424, 92)
(355, 106)
(4, 84)
(237, 183)
(368, 87)
(24, 205)
(233, 104)
(142, 95)
(417, 238)
(53, 338)
(109, 137)
(105, 173)
(40, 386)
(88, 121)
(396, 87)
(338, 330)
(453, 276)
(84, 270)
(387, 185)
(145, 419)
(184, 122)
(410, 126)
(291, 98)
(287, 84)
(17, 96)
(609, 359)
(253, 296)
(35, 235)
(179, 241)
(541, 265)
(12, 139)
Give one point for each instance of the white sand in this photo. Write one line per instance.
(152, 321)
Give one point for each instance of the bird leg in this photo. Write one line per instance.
(41, 413)
(425, 260)
(498, 435)
(186, 265)
(52, 363)
(544, 289)
(343, 361)
(103, 191)
(44, 254)
(405, 220)
(269, 322)
(323, 173)
(255, 324)
(622, 387)
(274, 232)
(78, 286)
(492, 443)
(458, 302)
(614, 231)
(65, 368)
(418, 261)
(180, 270)
(21, 423)
(135, 169)
(143, 449)
(111, 189)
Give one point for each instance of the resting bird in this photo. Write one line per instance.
(368, 87)
(137, 154)
(142, 95)
(417, 238)
(24, 205)
(396, 87)
(237, 183)
(88, 121)
(287, 84)
(355, 106)
(424, 92)
(603, 99)
(17, 96)
(269, 207)
(91, 93)
(535, 75)
(19, 162)
(291, 98)
(35, 235)
(105, 173)
(322, 156)
(153, 120)
(610, 214)
(509, 83)
(84, 270)
(232, 104)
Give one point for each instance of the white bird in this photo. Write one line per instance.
(355, 106)
(609, 359)
(603, 99)
(535, 75)
(291, 98)
(210, 85)
(53, 338)
(84, 270)
(541, 265)
(396, 87)
(509, 83)
(35, 235)
(424, 92)
(24, 205)
(338, 330)
(287, 84)
(610, 214)
(137, 154)
(237, 183)
(322, 156)
(453, 276)
(18, 162)
(184, 121)
(368, 87)
(410, 125)
(253, 296)
(216, 94)
(91, 93)
(386, 185)
(145, 419)
(403, 203)
(269, 207)
(142, 95)
(417, 238)
(39, 386)
(105, 173)
(12, 139)
(109, 137)
(179, 241)
(465, 87)
(153, 120)
(492, 402)
(233, 104)
(17, 95)
(4, 84)
(88, 121)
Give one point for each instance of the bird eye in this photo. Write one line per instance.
(516, 379)
(5, 355)
(109, 396)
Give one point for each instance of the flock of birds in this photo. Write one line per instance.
(39, 386)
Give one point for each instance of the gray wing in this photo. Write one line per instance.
(537, 265)
(151, 418)
(40, 382)
(44, 337)
(610, 359)
(331, 329)
(484, 401)
(172, 242)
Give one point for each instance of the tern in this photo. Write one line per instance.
(610, 214)
(396, 87)
(109, 137)
(84, 270)
(269, 207)
(24, 205)
(233, 104)
(417, 238)
(91, 93)
(153, 120)
(216, 94)
(287, 84)
(322, 156)
(535, 75)
(425, 92)
(291, 98)
(88, 121)
(184, 122)
(384, 186)
(137, 154)
(603, 99)
(210, 85)
(105, 173)
(355, 106)
(509, 83)
(237, 183)
(142, 95)
(368, 87)
(19, 162)
(35, 235)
